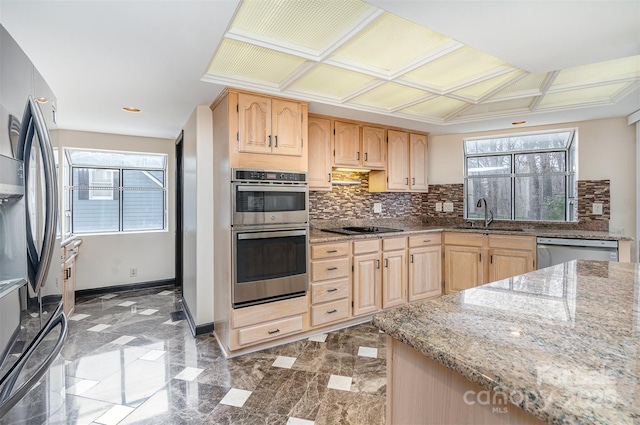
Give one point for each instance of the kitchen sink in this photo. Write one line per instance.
(361, 230)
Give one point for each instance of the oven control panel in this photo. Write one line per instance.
(269, 176)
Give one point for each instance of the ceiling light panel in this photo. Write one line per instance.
(527, 86)
(477, 91)
(609, 71)
(245, 61)
(313, 25)
(389, 44)
(583, 96)
(456, 68)
(439, 107)
(389, 96)
(329, 81)
(521, 104)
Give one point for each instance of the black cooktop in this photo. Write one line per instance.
(361, 230)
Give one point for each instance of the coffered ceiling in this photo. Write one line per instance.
(356, 55)
(431, 65)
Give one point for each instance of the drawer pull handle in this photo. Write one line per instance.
(332, 311)
(331, 251)
(332, 290)
(273, 332)
(427, 241)
(332, 268)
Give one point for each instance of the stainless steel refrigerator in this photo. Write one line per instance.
(32, 323)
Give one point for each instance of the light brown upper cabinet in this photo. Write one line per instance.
(320, 153)
(398, 169)
(418, 162)
(406, 164)
(373, 146)
(269, 126)
(358, 146)
(251, 130)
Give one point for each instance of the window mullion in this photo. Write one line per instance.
(121, 198)
(513, 186)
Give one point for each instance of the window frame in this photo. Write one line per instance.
(570, 173)
(119, 170)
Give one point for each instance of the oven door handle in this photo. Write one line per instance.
(267, 235)
(271, 188)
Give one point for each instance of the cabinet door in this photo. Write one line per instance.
(398, 163)
(320, 154)
(286, 127)
(254, 123)
(425, 272)
(508, 263)
(394, 278)
(374, 148)
(418, 162)
(346, 145)
(69, 285)
(463, 267)
(366, 283)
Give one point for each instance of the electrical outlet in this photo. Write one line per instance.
(133, 272)
(597, 208)
(448, 206)
(438, 206)
(377, 207)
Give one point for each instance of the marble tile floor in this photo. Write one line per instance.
(127, 362)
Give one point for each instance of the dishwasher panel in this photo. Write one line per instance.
(552, 251)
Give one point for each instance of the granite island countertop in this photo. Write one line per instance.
(563, 340)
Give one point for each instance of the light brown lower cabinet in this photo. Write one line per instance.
(366, 283)
(330, 283)
(473, 259)
(425, 272)
(394, 271)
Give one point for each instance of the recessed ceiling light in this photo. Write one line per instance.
(518, 122)
(130, 109)
(42, 100)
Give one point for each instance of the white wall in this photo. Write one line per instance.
(105, 260)
(606, 151)
(198, 215)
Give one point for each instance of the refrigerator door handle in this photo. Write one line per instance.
(33, 121)
(8, 398)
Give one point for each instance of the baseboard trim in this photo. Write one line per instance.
(122, 288)
(199, 330)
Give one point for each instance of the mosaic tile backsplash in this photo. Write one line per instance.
(356, 203)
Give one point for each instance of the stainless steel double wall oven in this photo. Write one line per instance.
(270, 233)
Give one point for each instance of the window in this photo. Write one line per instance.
(101, 178)
(116, 191)
(529, 177)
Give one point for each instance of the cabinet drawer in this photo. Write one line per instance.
(512, 242)
(466, 239)
(329, 291)
(266, 312)
(270, 330)
(392, 244)
(329, 269)
(329, 312)
(370, 245)
(426, 239)
(329, 250)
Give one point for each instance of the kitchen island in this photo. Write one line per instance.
(561, 343)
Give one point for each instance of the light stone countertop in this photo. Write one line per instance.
(318, 236)
(563, 340)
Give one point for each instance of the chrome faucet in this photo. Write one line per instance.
(487, 220)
